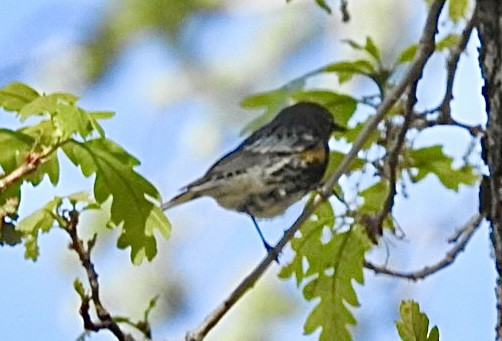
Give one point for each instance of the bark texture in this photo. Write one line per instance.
(489, 15)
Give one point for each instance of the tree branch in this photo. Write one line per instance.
(489, 26)
(30, 164)
(451, 67)
(374, 225)
(425, 50)
(444, 108)
(84, 254)
(32, 161)
(344, 4)
(467, 232)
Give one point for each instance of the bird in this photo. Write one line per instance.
(273, 168)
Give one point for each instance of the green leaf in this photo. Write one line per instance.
(329, 268)
(83, 197)
(323, 5)
(151, 305)
(374, 197)
(408, 54)
(336, 157)
(8, 209)
(335, 290)
(342, 107)
(49, 167)
(101, 115)
(432, 160)
(447, 42)
(44, 132)
(94, 116)
(307, 243)
(16, 95)
(347, 69)
(41, 220)
(414, 325)
(46, 104)
(263, 99)
(115, 177)
(79, 288)
(370, 47)
(11, 196)
(271, 101)
(352, 134)
(434, 334)
(457, 9)
(31, 247)
(66, 118)
(157, 220)
(361, 66)
(354, 44)
(71, 119)
(14, 146)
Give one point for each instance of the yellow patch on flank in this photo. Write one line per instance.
(314, 155)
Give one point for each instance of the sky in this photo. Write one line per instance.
(178, 113)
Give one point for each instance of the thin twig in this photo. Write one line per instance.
(421, 121)
(451, 66)
(425, 50)
(468, 231)
(461, 231)
(444, 108)
(344, 4)
(84, 254)
(375, 226)
(31, 163)
(370, 100)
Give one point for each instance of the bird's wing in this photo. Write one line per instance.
(232, 165)
(229, 169)
(279, 139)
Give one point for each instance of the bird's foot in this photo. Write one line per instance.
(270, 250)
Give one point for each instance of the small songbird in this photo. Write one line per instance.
(273, 168)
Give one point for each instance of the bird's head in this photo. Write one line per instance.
(311, 116)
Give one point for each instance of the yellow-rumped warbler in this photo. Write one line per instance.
(273, 168)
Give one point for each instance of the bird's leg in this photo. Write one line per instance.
(265, 244)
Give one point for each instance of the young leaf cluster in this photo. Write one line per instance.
(414, 324)
(326, 269)
(31, 152)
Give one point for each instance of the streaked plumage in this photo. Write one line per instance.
(273, 168)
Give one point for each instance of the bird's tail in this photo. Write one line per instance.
(180, 199)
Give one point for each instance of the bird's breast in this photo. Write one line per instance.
(317, 154)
